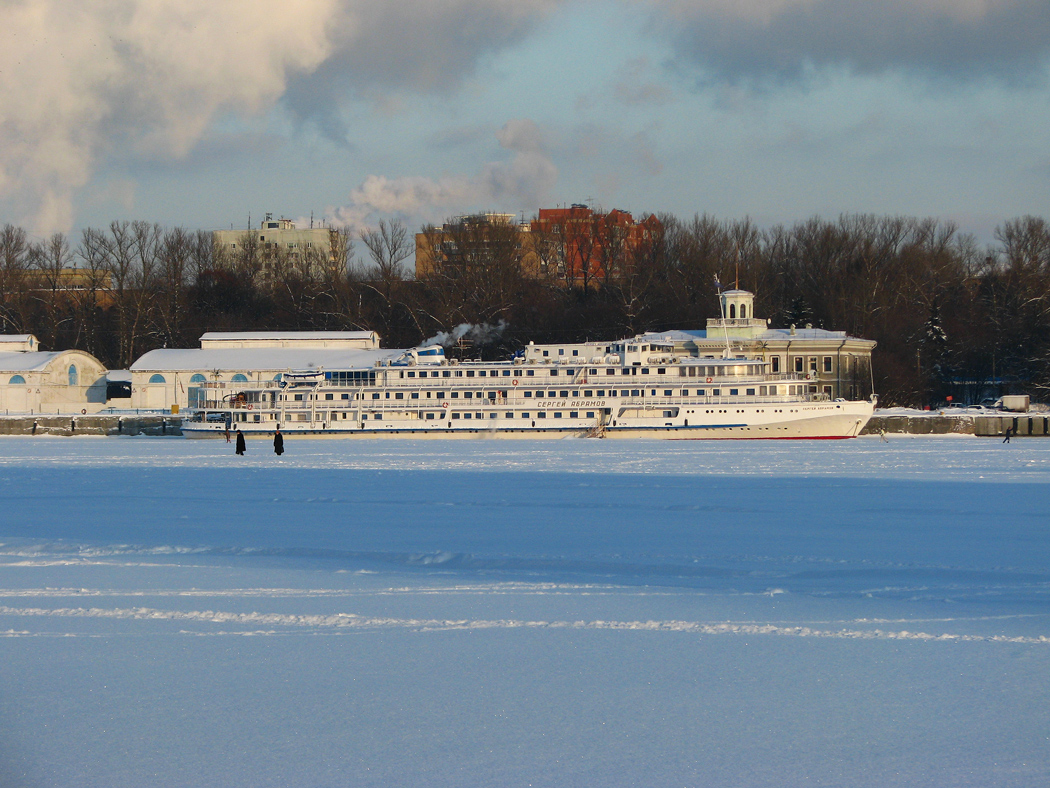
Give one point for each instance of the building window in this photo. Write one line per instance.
(799, 364)
(239, 378)
(812, 363)
(827, 363)
(17, 380)
(198, 378)
(774, 364)
(73, 376)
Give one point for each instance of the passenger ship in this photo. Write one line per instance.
(635, 390)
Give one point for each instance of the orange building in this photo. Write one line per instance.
(575, 245)
(585, 247)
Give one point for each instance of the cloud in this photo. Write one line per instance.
(428, 46)
(148, 78)
(522, 183)
(962, 39)
(635, 85)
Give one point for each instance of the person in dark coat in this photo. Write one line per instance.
(278, 442)
(1009, 432)
(240, 442)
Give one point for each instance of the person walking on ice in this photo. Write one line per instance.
(1009, 432)
(278, 442)
(240, 442)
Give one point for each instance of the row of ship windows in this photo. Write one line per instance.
(454, 415)
(800, 363)
(474, 415)
(760, 391)
(684, 371)
(540, 414)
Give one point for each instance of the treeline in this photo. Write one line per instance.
(951, 317)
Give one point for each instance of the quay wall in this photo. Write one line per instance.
(1023, 425)
(104, 425)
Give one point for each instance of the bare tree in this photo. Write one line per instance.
(130, 256)
(14, 279)
(388, 246)
(174, 260)
(477, 276)
(91, 289)
(51, 259)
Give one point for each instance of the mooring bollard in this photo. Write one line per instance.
(72, 426)
(120, 426)
(34, 426)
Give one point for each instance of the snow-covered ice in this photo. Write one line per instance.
(570, 613)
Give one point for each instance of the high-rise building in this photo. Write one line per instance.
(576, 245)
(279, 243)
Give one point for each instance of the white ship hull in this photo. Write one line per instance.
(686, 421)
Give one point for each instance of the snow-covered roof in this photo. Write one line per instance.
(13, 361)
(365, 340)
(802, 333)
(18, 342)
(679, 335)
(119, 375)
(675, 335)
(266, 359)
(284, 335)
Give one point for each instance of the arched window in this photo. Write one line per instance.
(72, 375)
(743, 311)
(732, 311)
(239, 378)
(198, 378)
(157, 379)
(17, 380)
(278, 377)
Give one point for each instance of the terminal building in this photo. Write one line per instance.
(33, 380)
(834, 363)
(167, 378)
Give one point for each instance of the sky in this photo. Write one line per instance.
(202, 114)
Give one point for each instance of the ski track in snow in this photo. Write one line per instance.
(353, 621)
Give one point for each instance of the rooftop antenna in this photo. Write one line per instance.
(736, 285)
(728, 352)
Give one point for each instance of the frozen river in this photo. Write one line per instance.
(570, 613)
